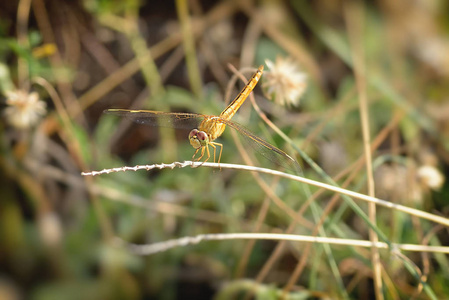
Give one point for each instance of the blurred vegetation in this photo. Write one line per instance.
(64, 62)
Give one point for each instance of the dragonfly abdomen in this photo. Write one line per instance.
(232, 108)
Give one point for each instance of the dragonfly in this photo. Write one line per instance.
(207, 128)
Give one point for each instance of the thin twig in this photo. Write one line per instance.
(189, 47)
(192, 240)
(384, 203)
(23, 13)
(354, 19)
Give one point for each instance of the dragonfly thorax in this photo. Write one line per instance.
(198, 138)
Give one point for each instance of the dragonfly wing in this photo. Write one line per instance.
(267, 150)
(159, 118)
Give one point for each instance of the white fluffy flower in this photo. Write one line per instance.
(24, 109)
(284, 82)
(50, 228)
(431, 177)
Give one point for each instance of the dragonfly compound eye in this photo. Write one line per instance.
(193, 133)
(202, 136)
(198, 138)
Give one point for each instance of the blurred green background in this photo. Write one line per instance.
(64, 62)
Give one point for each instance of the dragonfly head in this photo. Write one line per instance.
(198, 138)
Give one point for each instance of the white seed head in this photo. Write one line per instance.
(23, 109)
(431, 177)
(284, 82)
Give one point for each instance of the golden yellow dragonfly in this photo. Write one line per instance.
(210, 127)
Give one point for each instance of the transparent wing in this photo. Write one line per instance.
(159, 118)
(191, 120)
(267, 150)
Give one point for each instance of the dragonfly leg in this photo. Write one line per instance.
(215, 149)
(194, 154)
(208, 153)
(202, 154)
(213, 144)
(221, 150)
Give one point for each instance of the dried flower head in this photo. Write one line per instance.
(398, 183)
(430, 177)
(284, 82)
(24, 109)
(50, 228)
